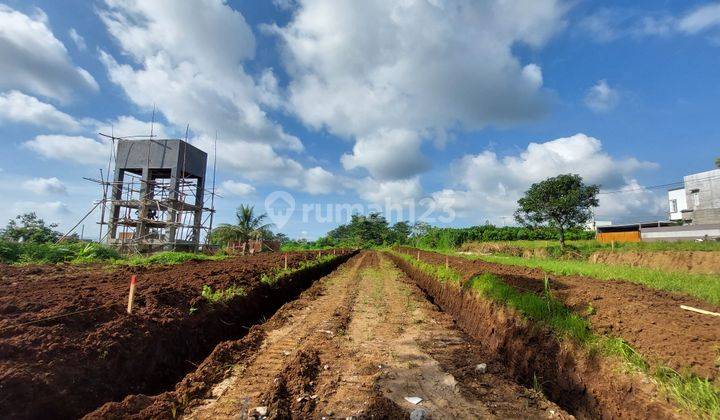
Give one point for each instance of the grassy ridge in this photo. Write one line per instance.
(168, 258)
(51, 253)
(701, 286)
(697, 395)
(590, 246)
(274, 277)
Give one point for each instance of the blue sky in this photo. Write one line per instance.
(450, 106)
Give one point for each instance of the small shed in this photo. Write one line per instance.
(631, 232)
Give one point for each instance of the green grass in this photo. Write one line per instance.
(696, 395)
(51, 253)
(222, 295)
(587, 247)
(169, 258)
(440, 272)
(544, 309)
(272, 278)
(701, 286)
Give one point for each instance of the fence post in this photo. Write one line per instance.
(131, 296)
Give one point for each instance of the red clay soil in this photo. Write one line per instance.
(67, 345)
(351, 346)
(580, 384)
(650, 320)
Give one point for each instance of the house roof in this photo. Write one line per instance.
(628, 227)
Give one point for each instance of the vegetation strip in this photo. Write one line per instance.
(697, 395)
(702, 286)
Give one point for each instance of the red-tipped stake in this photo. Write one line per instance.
(131, 296)
(286, 261)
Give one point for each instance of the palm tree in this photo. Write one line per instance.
(249, 226)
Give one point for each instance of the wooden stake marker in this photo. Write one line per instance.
(131, 296)
(447, 262)
(286, 261)
(418, 255)
(700, 311)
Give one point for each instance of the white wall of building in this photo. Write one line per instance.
(677, 202)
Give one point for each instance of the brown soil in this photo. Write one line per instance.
(704, 262)
(67, 345)
(650, 320)
(355, 344)
(503, 248)
(581, 384)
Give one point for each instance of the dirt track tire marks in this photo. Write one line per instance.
(358, 343)
(292, 330)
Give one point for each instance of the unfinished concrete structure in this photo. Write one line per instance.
(157, 195)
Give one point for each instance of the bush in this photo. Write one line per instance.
(171, 257)
(51, 253)
(450, 238)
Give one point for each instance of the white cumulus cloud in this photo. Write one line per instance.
(181, 60)
(240, 189)
(45, 186)
(16, 107)
(77, 149)
(34, 60)
(601, 97)
(388, 154)
(424, 68)
(489, 185)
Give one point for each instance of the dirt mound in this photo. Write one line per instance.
(503, 248)
(703, 262)
(67, 345)
(650, 320)
(534, 356)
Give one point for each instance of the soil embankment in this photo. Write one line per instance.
(584, 386)
(701, 262)
(67, 345)
(650, 320)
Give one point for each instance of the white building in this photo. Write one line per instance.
(593, 225)
(677, 203)
(698, 202)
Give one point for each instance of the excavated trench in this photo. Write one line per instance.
(186, 344)
(581, 384)
(147, 356)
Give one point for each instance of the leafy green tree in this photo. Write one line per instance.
(717, 162)
(562, 202)
(249, 226)
(369, 230)
(29, 227)
(401, 232)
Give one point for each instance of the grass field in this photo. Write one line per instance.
(587, 247)
(702, 286)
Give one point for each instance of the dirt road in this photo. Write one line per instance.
(358, 343)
